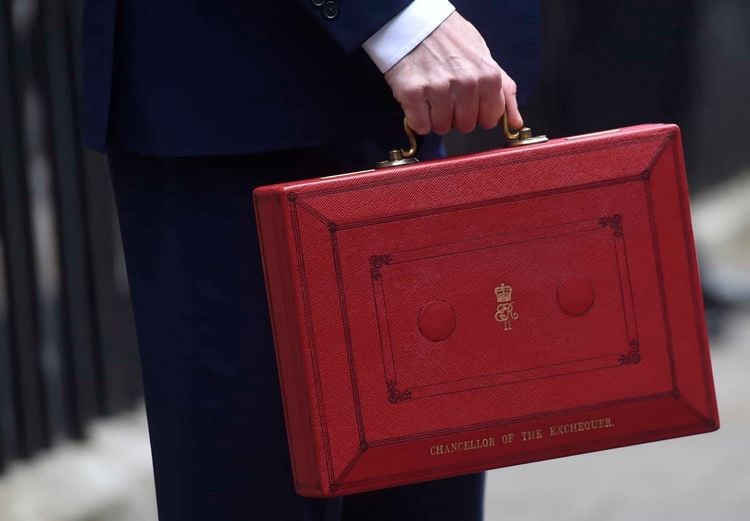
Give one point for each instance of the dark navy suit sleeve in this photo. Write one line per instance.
(191, 77)
(351, 22)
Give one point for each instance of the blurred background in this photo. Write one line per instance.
(73, 438)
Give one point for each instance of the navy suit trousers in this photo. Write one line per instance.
(212, 393)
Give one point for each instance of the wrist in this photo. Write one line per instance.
(405, 31)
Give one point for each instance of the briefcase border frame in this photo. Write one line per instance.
(296, 198)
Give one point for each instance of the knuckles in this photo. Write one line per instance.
(410, 93)
(466, 82)
(437, 90)
(460, 85)
(462, 79)
(492, 79)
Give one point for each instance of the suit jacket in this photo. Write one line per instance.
(193, 77)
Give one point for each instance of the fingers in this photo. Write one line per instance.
(438, 108)
(495, 95)
(492, 100)
(515, 120)
(416, 109)
(441, 108)
(437, 95)
(466, 106)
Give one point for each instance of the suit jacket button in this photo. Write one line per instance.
(318, 3)
(331, 9)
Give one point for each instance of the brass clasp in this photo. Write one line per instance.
(521, 137)
(398, 156)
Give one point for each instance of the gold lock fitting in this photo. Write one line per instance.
(400, 157)
(521, 137)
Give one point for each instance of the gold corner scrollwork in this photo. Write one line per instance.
(633, 356)
(376, 264)
(614, 222)
(395, 395)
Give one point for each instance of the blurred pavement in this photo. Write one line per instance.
(108, 478)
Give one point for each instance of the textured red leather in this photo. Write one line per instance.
(482, 311)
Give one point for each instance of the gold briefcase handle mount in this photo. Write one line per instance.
(521, 137)
(400, 156)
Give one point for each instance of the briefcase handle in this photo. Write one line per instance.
(400, 156)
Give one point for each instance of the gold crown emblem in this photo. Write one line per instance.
(503, 293)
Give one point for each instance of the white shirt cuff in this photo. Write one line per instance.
(405, 31)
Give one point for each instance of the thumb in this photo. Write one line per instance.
(515, 120)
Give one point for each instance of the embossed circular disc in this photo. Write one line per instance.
(575, 295)
(437, 320)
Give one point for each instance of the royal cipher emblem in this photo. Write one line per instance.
(505, 312)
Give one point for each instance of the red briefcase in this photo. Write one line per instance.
(453, 316)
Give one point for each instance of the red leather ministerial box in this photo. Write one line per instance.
(476, 312)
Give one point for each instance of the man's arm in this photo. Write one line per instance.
(436, 62)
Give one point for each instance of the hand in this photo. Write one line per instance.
(451, 80)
